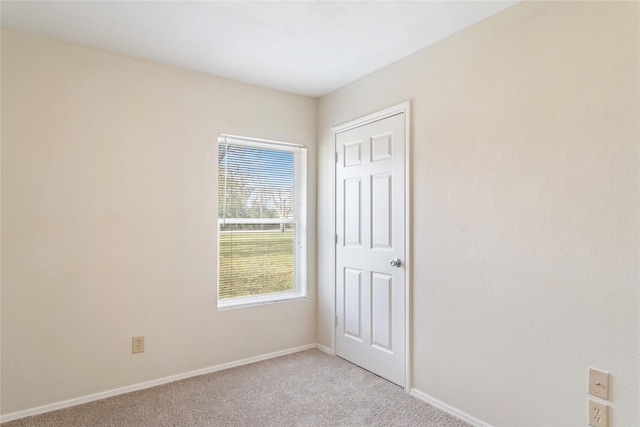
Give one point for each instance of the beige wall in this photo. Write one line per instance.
(109, 218)
(525, 210)
(526, 207)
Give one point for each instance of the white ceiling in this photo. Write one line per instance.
(309, 48)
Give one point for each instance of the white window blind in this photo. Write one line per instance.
(261, 221)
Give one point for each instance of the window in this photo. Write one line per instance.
(261, 221)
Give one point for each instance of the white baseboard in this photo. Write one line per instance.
(325, 349)
(448, 409)
(147, 384)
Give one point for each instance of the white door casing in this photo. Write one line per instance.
(370, 216)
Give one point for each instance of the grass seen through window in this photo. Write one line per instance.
(255, 262)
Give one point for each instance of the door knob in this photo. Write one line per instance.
(396, 262)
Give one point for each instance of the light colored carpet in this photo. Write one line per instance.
(309, 388)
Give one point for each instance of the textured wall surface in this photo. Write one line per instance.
(109, 212)
(525, 159)
(526, 141)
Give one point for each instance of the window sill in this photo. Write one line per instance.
(252, 301)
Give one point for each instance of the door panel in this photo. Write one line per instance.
(370, 293)
(353, 211)
(352, 153)
(353, 304)
(381, 200)
(382, 309)
(381, 147)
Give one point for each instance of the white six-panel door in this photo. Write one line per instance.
(370, 221)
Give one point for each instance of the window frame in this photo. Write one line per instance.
(299, 220)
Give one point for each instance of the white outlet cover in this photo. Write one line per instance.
(598, 414)
(137, 344)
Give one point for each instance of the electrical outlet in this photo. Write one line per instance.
(599, 384)
(598, 414)
(137, 344)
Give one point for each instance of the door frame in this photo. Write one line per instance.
(405, 108)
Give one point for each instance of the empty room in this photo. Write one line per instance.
(320, 213)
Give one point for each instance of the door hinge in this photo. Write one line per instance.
(336, 157)
(335, 320)
(336, 239)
